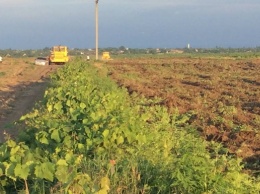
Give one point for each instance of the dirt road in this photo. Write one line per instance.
(22, 84)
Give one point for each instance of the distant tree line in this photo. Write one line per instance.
(25, 53)
(221, 50)
(123, 50)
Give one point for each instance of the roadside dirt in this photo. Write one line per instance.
(22, 85)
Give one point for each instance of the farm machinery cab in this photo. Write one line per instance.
(59, 55)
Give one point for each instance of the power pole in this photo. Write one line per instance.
(96, 29)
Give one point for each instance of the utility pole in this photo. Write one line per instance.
(96, 29)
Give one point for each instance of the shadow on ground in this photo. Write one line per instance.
(18, 101)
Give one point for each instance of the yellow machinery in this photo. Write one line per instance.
(59, 55)
(105, 55)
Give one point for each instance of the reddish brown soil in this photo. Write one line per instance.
(22, 84)
(223, 94)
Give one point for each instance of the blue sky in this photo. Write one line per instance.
(34, 24)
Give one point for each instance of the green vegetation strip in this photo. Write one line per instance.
(89, 136)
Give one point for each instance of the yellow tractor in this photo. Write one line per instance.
(59, 55)
(105, 55)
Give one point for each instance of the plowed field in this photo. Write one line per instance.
(221, 94)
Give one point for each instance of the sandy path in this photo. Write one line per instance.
(22, 84)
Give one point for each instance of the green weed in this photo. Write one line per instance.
(2, 74)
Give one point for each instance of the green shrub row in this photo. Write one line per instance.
(90, 136)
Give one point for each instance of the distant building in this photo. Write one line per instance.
(176, 51)
(120, 52)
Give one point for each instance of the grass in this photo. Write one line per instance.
(2, 74)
